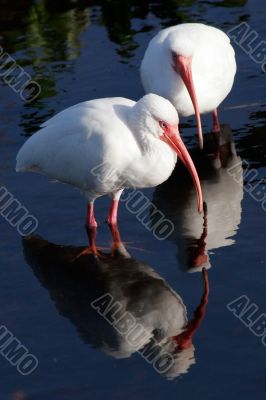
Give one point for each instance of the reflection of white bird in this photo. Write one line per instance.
(193, 65)
(222, 192)
(132, 296)
(102, 146)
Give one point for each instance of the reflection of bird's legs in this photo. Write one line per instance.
(199, 258)
(216, 124)
(184, 340)
(205, 226)
(112, 220)
(216, 129)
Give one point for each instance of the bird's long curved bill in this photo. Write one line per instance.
(177, 144)
(185, 70)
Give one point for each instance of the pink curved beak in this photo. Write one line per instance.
(183, 67)
(173, 139)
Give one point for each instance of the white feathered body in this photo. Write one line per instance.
(213, 66)
(92, 146)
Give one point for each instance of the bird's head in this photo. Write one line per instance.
(182, 51)
(155, 116)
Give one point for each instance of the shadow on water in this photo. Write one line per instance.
(118, 304)
(221, 175)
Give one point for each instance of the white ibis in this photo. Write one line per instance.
(102, 146)
(192, 65)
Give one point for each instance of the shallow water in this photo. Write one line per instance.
(78, 52)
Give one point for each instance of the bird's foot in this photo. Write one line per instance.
(216, 129)
(118, 247)
(88, 251)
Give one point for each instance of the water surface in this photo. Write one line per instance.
(78, 51)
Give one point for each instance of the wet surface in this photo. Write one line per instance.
(78, 52)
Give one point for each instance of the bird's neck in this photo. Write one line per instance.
(156, 157)
(155, 164)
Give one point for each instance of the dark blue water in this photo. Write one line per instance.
(83, 50)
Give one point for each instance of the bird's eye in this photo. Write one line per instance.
(163, 125)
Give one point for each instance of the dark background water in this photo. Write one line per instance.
(79, 50)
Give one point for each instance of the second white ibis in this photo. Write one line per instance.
(192, 65)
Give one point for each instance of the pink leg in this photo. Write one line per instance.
(91, 226)
(112, 220)
(90, 219)
(216, 125)
(112, 216)
(117, 243)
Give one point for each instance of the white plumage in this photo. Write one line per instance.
(90, 135)
(170, 55)
(102, 146)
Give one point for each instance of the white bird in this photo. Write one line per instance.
(192, 65)
(103, 146)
